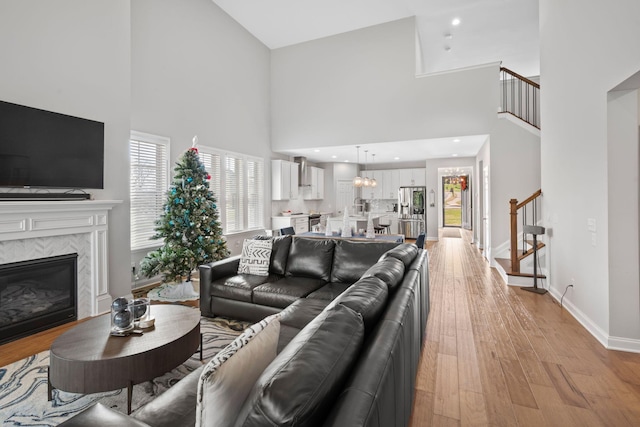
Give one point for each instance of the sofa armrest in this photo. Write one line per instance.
(212, 271)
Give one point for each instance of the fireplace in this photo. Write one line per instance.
(37, 294)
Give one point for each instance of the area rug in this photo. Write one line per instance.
(453, 233)
(23, 384)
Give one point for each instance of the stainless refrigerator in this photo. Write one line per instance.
(412, 216)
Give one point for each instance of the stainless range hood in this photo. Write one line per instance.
(302, 171)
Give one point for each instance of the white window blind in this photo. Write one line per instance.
(255, 193)
(149, 181)
(212, 163)
(237, 181)
(234, 194)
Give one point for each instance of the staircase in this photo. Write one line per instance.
(519, 266)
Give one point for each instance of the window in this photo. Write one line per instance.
(237, 181)
(149, 181)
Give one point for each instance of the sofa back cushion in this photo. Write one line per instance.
(279, 253)
(405, 252)
(351, 259)
(368, 296)
(309, 257)
(301, 384)
(390, 270)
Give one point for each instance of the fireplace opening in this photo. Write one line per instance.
(36, 295)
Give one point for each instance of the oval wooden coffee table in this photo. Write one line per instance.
(86, 359)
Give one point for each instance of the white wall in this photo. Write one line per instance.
(515, 174)
(360, 87)
(580, 63)
(73, 57)
(195, 71)
(622, 153)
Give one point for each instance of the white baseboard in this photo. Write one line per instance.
(624, 344)
(591, 327)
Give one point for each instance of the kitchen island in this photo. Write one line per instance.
(356, 222)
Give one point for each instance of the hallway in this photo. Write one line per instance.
(495, 355)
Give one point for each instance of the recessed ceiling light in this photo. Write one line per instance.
(455, 22)
(396, 158)
(316, 151)
(346, 161)
(454, 155)
(334, 157)
(456, 140)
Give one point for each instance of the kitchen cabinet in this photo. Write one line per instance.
(412, 177)
(284, 180)
(300, 223)
(390, 184)
(369, 193)
(315, 177)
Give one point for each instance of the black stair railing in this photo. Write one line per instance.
(520, 97)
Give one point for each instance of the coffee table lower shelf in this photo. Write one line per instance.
(86, 359)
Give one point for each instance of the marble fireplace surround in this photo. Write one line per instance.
(39, 229)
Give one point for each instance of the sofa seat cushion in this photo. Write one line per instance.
(329, 291)
(390, 270)
(239, 287)
(309, 257)
(352, 258)
(299, 387)
(368, 297)
(174, 408)
(285, 291)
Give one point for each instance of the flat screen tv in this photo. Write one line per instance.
(41, 148)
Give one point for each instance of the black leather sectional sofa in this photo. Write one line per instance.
(352, 323)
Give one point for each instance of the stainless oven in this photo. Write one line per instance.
(314, 220)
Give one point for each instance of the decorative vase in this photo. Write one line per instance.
(346, 228)
(371, 233)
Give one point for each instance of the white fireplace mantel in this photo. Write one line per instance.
(34, 229)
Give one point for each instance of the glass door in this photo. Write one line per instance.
(452, 201)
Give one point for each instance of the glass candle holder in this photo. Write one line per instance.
(121, 315)
(141, 309)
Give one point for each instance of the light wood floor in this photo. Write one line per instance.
(495, 355)
(500, 356)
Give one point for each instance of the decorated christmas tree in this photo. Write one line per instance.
(190, 227)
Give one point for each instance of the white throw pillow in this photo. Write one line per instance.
(225, 382)
(256, 255)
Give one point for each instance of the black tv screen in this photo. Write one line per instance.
(41, 148)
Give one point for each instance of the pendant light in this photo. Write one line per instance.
(357, 181)
(374, 183)
(366, 182)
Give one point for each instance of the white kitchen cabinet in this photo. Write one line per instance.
(284, 180)
(419, 177)
(390, 184)
(369, 193)
(315, 177)
(412, 177)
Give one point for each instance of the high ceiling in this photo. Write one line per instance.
(488, 31)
